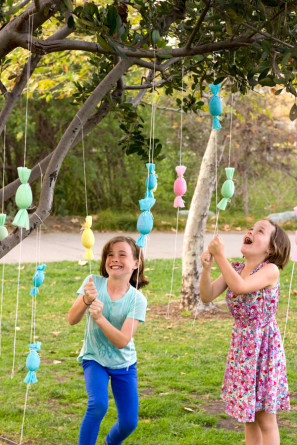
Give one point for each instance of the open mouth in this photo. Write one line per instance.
(247, 240)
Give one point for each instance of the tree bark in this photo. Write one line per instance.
(194, 233)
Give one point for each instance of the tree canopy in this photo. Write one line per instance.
(130, 48)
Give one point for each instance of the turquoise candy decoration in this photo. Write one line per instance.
(227, 189)
(215, 106)
(3, 229)
(32, 363)
(23, 198)
(38, 278)
(151, 180)
(145, 221)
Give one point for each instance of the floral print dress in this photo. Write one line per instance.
(255, 377)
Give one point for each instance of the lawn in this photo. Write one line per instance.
(180, 364)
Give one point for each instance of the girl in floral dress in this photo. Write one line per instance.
(255, 383)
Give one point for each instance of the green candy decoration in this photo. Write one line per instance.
(227, 189)
(23, 199)
(3, 229)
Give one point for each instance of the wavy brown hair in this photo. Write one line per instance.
(137, 255)
(280, 247)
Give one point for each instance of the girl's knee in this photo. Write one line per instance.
(128, 426)
(97, 408)
(266, 421)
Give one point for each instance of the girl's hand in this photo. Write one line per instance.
(206, 260)
(90, 291)
(216, 246)
(96, 309)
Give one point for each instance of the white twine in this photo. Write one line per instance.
(134, 309)
(17, 304)
(1, 308)
(173, 264)
(25, 407)
(30, 38)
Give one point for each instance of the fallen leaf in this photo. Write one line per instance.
(57, 226)
(74, 220)
(238, 229)
(56, 362)
(226, 228)
(170, 326)
(165, 338)
(56, 333)
(148, 268)
(188, 409)
(183, 373)
(146, 420)
(17, 328)
(53, 283)
(164, 393)
(77, 278)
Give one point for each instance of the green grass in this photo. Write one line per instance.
(180, 365)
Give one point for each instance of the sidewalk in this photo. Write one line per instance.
(67, 246)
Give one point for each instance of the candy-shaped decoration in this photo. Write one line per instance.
(145, 221)
(3, 229)
(227, 189)
(38, 279)
(180, 186)
(88, 239)
(294, 258)
(215, 106)
(151, 181)
(32, 363)
(23, 198)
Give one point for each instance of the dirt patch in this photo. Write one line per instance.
(56, 224)
(176, 313)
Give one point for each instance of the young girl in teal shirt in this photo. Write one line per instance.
(114, 309)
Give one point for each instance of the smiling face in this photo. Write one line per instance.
(256, 242)
(120, 262)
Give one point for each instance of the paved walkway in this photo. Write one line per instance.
(67, 246)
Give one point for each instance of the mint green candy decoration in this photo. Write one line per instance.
(3, 229)
(23, 198)
(227, 189)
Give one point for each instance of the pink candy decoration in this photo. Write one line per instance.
(180, 186)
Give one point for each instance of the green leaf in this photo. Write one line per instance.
(112, 19)
(267, 82)
(278, 92)
(155, 36)
(116, 49)
(293, 112)
(102, 42)
(70, 22)
(68, 4)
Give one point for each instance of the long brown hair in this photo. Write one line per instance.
(137, 255)
(280, 246)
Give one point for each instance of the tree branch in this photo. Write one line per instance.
(13, 97)
(267, 35)
(199, 23)
(65, 144)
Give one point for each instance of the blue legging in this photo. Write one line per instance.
(124, 388)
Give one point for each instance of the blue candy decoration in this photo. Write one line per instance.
(38, 278)
(151, 180)
(32, 363)
(145, 221)
(215, 106)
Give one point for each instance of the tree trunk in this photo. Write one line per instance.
(195, 228)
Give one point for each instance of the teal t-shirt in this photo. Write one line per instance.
(96, 345)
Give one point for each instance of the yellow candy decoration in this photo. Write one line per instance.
(88, 239)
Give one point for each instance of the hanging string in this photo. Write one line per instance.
(177, 214)
(231, 124)
(17, 304)
(287, 315)
(216, 231)
(134, 308)
(30, 37)
(3, 265)
(153, 115)
(25, 407)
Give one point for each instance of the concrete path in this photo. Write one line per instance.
(67, 246)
